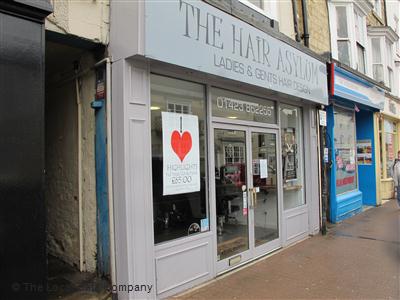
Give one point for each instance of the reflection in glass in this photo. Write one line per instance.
(292, 156)
(345, 154)
(265, 198)
(176, 215)
(231, 105)
(231, 194)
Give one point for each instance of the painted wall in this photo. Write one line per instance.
(61, 173)
(366, 173)
(62, 157)
(86, 19)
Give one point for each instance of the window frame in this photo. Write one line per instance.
(386, 43)
(353, 8)
(269, 8)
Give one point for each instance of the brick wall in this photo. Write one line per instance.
(318, 25)
(374, 20)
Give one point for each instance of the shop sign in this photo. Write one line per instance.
(322, 117)
(364, 152)
(391, 108)
(199, 36)
(181, 159)
(352, 87)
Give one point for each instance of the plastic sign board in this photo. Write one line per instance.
(322, 118)
(181, 159)
(196, 35)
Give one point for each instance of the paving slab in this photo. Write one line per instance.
(358, 259)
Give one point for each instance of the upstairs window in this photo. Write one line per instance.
(377, 60)
(269, 8)
(258, 3)
(343, 40)
(378, 8)
(382, 39)
(360, 41)
(349, 32)
(389, 57)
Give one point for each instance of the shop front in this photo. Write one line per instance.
(214, 144)
(353, 103)
(387, 142)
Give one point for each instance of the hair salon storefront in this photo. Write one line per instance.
(214, 143)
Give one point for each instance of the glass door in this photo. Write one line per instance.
(263, 189)
(231, 196)
(246, 194)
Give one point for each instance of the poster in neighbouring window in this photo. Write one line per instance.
(345, 150)
(181, 159)
(364, 152)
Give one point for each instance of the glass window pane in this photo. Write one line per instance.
(292, 154)
(230, 190)
(231, 105)
(377, 72)
(344, 52)
(390, 74)
(361, 58)
(258, 3)
(264, 173)
(376, 51)
(345, 154)
(341, 18)
(180, 214)
(390, 134)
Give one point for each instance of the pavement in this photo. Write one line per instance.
(358, 259)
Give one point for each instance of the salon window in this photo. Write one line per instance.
(178, 214)
(292, 156)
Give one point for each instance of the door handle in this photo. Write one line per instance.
(253, 197)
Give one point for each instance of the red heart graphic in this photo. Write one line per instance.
(181, 144)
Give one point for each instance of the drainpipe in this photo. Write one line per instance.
(80, 208)
(296, 21)
(109, 167)
(306, 34)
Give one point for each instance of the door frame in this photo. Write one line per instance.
(253, 252)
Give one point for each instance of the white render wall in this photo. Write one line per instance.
(87, 19)
(62, 162)
(393, 17)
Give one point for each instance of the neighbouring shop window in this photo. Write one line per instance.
(235, 106)
(345, 154)
(381, 149)
(178, 134)
(390, 141)
(292, 156)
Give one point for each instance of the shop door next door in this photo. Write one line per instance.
(246, 194)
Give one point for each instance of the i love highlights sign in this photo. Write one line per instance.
(181, 161)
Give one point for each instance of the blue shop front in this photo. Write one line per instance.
(350, 134)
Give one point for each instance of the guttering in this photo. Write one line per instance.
(306, 34)
(80, 195)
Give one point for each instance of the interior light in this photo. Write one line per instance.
(154, 108)
(232, 117)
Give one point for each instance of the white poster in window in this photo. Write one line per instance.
(181, 159)
(263, 168)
